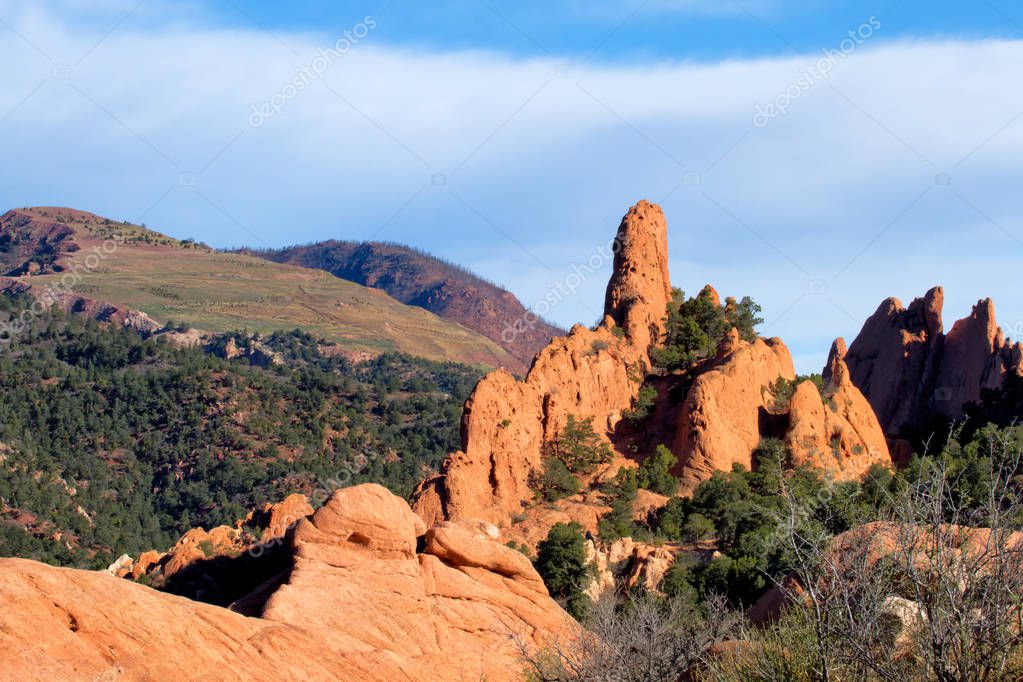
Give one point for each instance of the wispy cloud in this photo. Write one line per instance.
(519, 167)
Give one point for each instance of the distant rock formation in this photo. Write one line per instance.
(69, 302)
(589, 374)
(371, 595)
(597, 374)
(416, 278)
(912, 372)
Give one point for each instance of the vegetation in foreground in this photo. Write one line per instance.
(916, 594)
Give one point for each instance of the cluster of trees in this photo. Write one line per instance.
(742, 511)
(917, 594)
(576, 451)
(696, 326)
(112, 443)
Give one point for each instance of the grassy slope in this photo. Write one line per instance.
(222, 292)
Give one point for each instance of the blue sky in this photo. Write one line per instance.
(511, 137)
(616, 30)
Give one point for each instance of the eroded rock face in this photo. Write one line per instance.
(588, 374)
(640, 287)
(837, 432)
(361, 603)
(911, 371)
(722, 416)
(596, 374)
(731, 408)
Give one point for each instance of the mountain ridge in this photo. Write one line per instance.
(109, 269)
(417, 278)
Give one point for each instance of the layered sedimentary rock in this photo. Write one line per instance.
(588, 374)
(912, 372)
(361, 603)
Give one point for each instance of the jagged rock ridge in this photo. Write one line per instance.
(911, 371)
(597, 374)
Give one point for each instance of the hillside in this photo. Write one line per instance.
(667, 461)
(112, 443)
(418, 279)
(191, 284)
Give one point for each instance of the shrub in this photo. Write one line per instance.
(655, 472)
(697, 527)
(561, 562)
(696, 326)
(671, 519)
(579, 446)
(621, 494)
(643, 406)
(554, 481)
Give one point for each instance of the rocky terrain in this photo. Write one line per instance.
(371, 594)
(597, 374)
(912, 371)
(368, 586)
(447, 290)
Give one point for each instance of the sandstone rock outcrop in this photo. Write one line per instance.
(588, 374)
(731, 408)
(721, 421)
(267, 526)
(597, 374)
(361, 603)
(837, 432)
(911, 371)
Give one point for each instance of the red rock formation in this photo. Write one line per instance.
(589, 374)
(592, 374)
(360, 604)
(837, 432)
(911, 371)
(267, 526)
(721, 418)
(640, 287)
(976, 357)
(276, 520)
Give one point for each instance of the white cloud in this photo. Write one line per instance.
(542, 162)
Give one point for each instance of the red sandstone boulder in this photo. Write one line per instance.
(360, 603)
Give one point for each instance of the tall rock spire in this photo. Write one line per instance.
(588, 374)
(640, 289)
